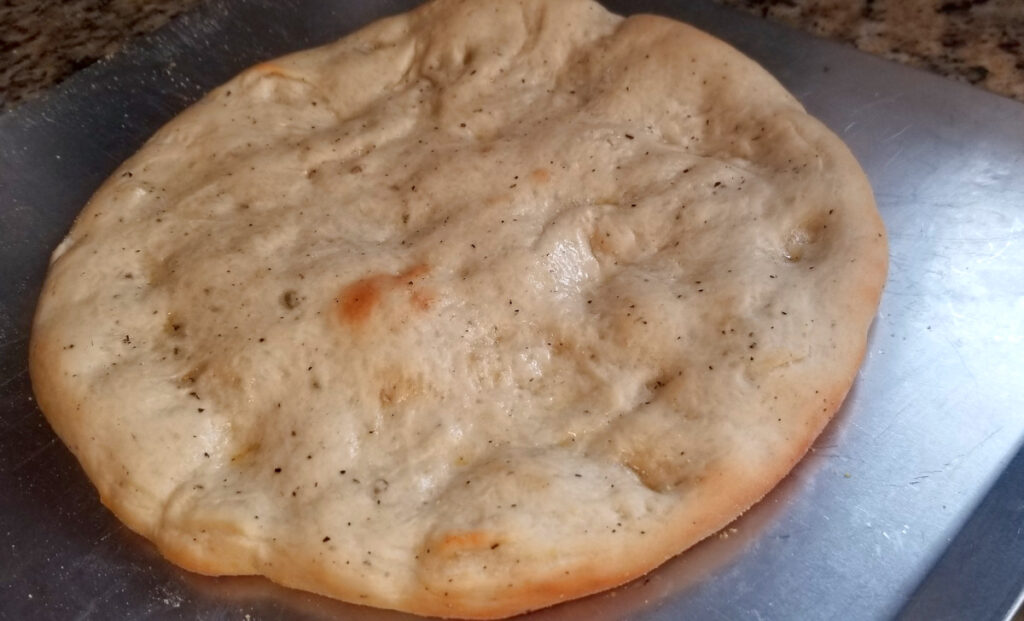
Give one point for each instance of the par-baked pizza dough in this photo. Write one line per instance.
(484, 307)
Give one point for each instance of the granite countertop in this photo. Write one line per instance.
(42, 42)
(978, 41)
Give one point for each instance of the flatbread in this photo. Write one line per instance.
(484, 307)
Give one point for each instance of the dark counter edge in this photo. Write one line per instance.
(953, 578)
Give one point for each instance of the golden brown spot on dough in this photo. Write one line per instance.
(540, 175)
(453, 543)
(270, 68)
(359, 299)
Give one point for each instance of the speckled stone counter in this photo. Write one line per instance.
(42, 42)
(978, 41)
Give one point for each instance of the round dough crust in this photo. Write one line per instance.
(485, 307)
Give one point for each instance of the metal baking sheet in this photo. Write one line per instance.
(911, 504)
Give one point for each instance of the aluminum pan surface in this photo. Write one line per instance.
(883, 515)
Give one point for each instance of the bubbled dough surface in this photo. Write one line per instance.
(484, 307)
